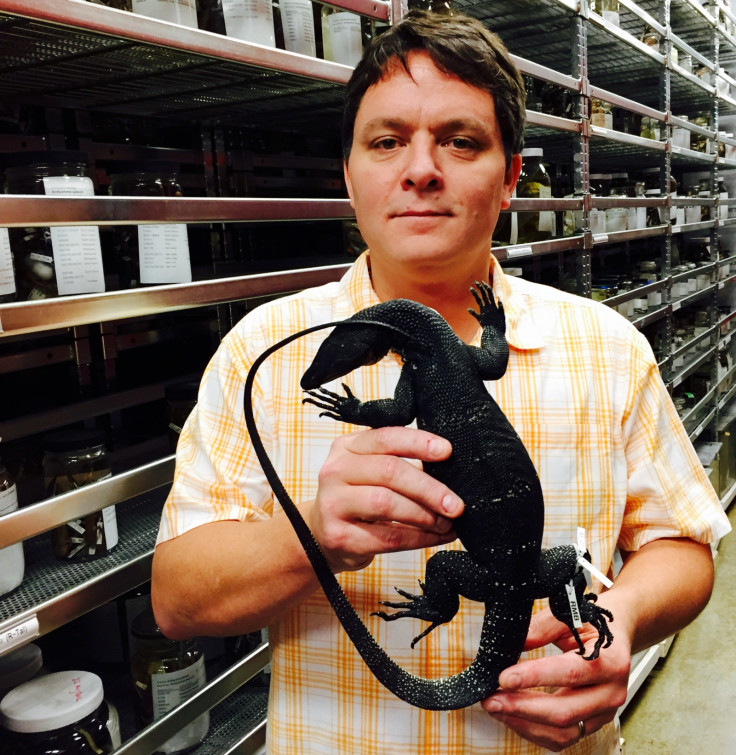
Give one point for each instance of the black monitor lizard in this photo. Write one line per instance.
(503, 564)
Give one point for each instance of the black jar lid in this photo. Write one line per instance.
(185, 391)
(44, 157)
(73, 440)
(144, 626)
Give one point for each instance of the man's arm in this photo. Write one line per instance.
(660, 589)
(231, 577)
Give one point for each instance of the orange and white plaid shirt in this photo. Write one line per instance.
(583, 392)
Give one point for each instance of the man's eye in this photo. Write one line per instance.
(386, 143)
(460, 142)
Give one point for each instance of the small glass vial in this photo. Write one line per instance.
(609, 10)
(342, 37)
(534, 181)
(151, 254)
(601, 114)
(182, 12)
(59, 714)
(297, 23)
(650, 128)
(71, 460)
(250, 20)
(166, 673)
(47, 260)
(12, 562)
(651, 38)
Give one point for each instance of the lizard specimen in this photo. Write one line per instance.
(503, 564)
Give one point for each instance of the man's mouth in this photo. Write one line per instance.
(421, 214)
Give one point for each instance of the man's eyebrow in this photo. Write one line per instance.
(454, 124)
(392, 124)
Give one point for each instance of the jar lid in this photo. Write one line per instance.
(184, 391)
(532, 152)
(51, 702)
(44, 157)
(19, 666)
(73, 440)
(144, 626)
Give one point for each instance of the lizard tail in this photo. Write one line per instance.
(474, 683)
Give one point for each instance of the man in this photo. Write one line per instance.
(433, 131)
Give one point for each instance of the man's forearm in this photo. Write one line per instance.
(661, 588)
(228, 578)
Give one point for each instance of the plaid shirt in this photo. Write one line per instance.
(582, 390)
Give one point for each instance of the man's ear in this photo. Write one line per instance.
(509, 180)
(348, 182)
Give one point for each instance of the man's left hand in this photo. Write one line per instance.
(581, 691)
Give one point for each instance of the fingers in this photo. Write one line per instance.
(374, 498)
(588, 691)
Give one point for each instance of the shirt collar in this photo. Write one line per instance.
(522, 332)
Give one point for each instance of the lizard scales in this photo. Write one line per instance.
(503, 565)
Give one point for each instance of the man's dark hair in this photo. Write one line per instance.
(457, 45)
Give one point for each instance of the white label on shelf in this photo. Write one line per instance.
(676, 305)
(249, 20)
(7, 279)
(518, 251)
(676, 381)
(18, 634)
(172, 689)
(164, 253)
(110, 527)
(298, 24)
(182, 12)
(600, 238)
(77, 251)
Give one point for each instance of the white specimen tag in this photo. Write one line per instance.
(597, 573)
(582, 549)
(7, 279)
(574, 607)
(77, 251)
(582, 539)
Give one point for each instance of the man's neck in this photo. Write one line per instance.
(451, 298)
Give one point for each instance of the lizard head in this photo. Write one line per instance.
(352, 344)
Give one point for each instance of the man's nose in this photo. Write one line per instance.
(422, 170)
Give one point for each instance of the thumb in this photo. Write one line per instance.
(544, 629)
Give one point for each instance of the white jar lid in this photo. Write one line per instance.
(19, 666)
(51, 702)
(532, 152)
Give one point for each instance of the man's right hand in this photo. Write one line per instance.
(374, 497)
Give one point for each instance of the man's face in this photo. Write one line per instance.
(427, 174)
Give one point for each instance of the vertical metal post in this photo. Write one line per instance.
(581, 158)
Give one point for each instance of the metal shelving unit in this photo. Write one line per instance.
(72, 54)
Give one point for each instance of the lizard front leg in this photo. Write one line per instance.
(493, 356)
(398, 411)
